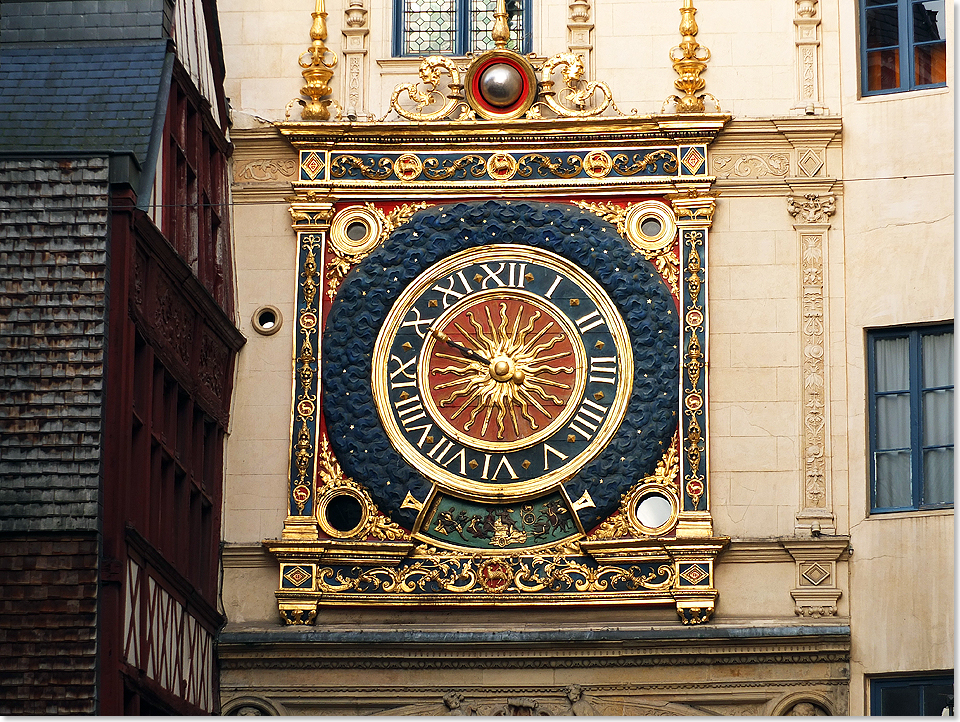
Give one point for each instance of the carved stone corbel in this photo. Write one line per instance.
(816, 593)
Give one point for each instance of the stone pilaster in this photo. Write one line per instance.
(809, 60)
(355, 33)
(580, 34)
(811, 213)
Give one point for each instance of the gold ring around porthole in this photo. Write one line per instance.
(653, 508)
(650, 226)
(343, 512)
(355, 231)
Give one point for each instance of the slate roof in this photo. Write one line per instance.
(79, 98)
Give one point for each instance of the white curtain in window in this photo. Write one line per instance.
(892, 362)
(937, 354)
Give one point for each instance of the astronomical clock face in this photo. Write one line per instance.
(499, 374)
(502, 370)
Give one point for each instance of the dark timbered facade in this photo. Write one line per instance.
(118, 341)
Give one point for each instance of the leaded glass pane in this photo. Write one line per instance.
(481, 25)
(429, 27)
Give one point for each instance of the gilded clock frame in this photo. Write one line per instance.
(382, 173)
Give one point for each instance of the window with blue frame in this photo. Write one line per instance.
(910, 384)
(456, 27)
(930, 696)
(903, 45)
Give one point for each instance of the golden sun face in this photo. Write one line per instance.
(509, 369)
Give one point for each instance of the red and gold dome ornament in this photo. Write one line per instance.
(501, 85)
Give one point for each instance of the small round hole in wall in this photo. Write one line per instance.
(343, 513)
(267, 320)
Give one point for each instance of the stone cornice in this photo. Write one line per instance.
(381, 647)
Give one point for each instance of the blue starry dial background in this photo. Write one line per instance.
(368, 292)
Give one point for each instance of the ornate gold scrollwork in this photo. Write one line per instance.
(346, 254)
(623, 523)
(632, 166)
(475, 575)
(662, 255)
(373, 523)
(431, 71)
(576, 93)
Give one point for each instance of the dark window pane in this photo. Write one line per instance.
(930, 64)
(903, 701)
(893, 480)
(936, 699)
(883, 30)
(928, 18)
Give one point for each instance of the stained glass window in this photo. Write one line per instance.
(455, 27)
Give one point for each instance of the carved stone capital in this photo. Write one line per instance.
(812, 208)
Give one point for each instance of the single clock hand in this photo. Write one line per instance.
(441, 336)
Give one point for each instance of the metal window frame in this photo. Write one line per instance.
(462, 29)
(915, 336)
(905, 45)
(878, 684)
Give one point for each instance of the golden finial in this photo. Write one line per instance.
(689, 60)
(501, 25)
(318, 70)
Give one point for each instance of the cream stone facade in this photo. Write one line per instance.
(833, 215)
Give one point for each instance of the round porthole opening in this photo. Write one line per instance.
(654, 509)
(267, 320)
(342, 513)
(357, 230)
(651, 226)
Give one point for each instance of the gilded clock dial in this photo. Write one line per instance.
(501, 371)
